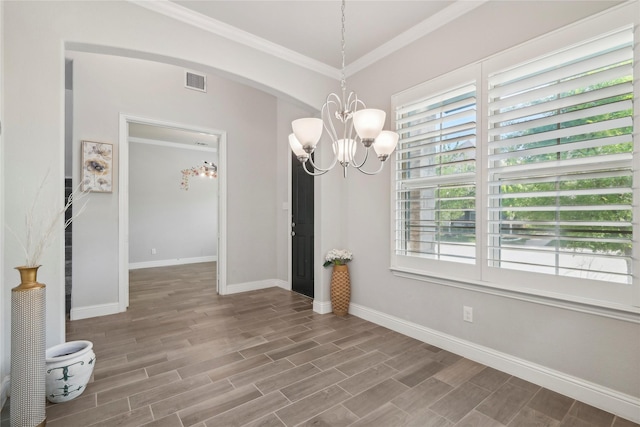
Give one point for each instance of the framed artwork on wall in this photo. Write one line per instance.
(97, 167)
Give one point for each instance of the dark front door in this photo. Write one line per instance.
(302, 229)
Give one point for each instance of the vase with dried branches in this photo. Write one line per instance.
(28, 312)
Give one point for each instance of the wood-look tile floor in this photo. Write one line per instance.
(183, 356)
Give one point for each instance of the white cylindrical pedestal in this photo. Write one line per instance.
(28, 346)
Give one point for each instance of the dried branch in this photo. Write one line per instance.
(39, 231)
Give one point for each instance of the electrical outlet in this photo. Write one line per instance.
(153, 251)
(467, 314)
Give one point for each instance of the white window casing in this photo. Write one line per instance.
(521, 172)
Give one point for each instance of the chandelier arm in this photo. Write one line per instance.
(332, 100)
(350, 133)
(323, 170)
(312, 173)
(351, 105)
(371, 173)
(366, 156)
(355, 102)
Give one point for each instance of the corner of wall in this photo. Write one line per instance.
(5, 319)
(322, 307)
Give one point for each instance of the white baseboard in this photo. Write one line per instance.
(322, 307)
(169, 262)
(94, 311)
(4, 391)
(257, 285)
(251, 286)
(624, 405)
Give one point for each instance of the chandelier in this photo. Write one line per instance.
(349, 114)
(207, 169)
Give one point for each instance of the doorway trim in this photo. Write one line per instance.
(123, 202)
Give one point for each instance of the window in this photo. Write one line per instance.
(436, 176)
(517, 172)
(560, 162)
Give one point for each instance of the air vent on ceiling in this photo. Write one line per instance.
(195, 81)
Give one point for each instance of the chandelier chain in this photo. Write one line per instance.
(343, 82)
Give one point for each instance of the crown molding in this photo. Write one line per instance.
(181, 13)
(446, 15)
(172, 144)
(196, 19)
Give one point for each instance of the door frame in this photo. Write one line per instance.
(123, 194)
(290, 164)
(289, 214)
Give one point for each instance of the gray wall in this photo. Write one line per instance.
(34, 129)
(34, 38)
(179, 224)
(105, 86)
(580, 343)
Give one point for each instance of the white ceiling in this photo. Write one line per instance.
(312, 28)
(308, 32)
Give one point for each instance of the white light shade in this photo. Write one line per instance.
(369, 123)
(295, 145)
(385, 143)
(345, 150)
(307, 131)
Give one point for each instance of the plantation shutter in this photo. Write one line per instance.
(435, 176)
(560, 162)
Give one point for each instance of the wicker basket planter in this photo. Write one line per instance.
(340, 290)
